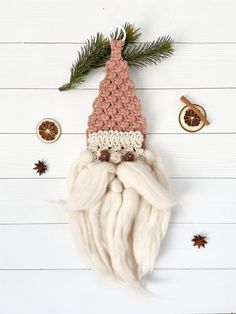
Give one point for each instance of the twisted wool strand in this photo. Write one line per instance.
(118, 223)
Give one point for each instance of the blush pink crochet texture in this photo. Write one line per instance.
(116, 107)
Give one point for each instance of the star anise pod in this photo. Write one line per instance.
(40, 167)
(191, 118)
(199, 241)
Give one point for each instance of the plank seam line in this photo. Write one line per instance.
(90, 269)
(171, 178)
(66, 223)
(140, 42)
(138, 88)
(149, 133)
(207, 313)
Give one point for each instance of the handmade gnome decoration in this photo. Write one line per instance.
(118, 200)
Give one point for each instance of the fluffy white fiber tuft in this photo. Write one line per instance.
(119, 214)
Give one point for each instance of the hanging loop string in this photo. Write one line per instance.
(115, 34)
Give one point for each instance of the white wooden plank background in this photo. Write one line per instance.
(67, 291)
(72, 108)
(47, 66)
(70, 21)
(201, 200)
(40, 269)
(49, 246)
(212, 155)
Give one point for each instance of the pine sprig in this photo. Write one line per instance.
(148, 53)
(94, 54)
(90, 54)
(132, 33)
(96, 51)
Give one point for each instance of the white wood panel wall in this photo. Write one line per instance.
(40, 269)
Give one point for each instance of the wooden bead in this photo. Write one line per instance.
(104, 155)
(129, 156)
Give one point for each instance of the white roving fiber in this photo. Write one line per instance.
(119, 214)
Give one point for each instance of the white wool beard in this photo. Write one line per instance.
(119, 213)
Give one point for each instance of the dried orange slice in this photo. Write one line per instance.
(48, 130)
(189, 120)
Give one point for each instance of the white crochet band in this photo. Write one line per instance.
(116, 141)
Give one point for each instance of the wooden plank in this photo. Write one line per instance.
(48, 66)
(30, 201)
(188, 280)
(71, 109)
(200, 201)
(185, 155)
(60, 292)
(186, 20)
(204, 201)
(50, 246)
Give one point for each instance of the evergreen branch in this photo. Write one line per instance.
(148, 53)
(132, 34)
(89, 55)
(94, 54)
(96, 51)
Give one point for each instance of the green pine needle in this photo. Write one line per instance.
(132, 33)
(89, 56)
(148, 53)
(94, 54)
(96, 51)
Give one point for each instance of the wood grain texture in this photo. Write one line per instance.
(68, 21)
(50, 246)
(175, 291)
(71, 109)
(48, 66)
(211, 155)
(39, 263)
(199, 201)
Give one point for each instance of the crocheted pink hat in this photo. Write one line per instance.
(116, 123)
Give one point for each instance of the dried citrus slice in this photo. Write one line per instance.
(48, 130)
(189, 120)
